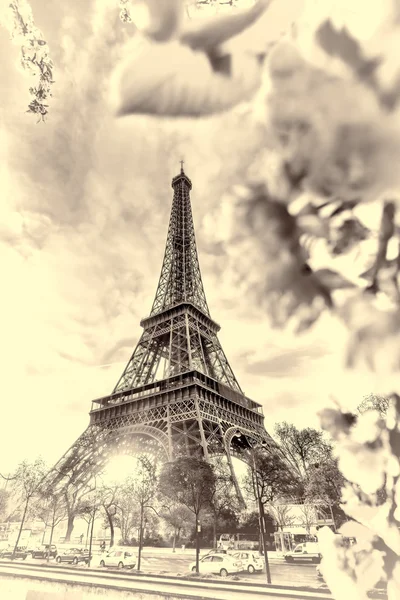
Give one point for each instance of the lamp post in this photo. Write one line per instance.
(260, 506)
(140, 535)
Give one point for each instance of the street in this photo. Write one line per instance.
(56, 580)
(165, 562)
(282, 573)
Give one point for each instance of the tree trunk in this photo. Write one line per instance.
(111, 524)
(174, 540)
(215, 532)
(263, 533)
(87, 534)
(70, 527)
(91, 538)
(51, 535)
(197, 543)
(21, 526)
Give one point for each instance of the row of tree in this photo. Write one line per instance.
(188, 494)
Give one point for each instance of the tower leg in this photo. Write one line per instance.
(186, 438)
(238, 491)
(169, 433)
(202, 435)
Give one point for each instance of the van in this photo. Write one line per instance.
(306, 552)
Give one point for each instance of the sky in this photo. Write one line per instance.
(85, 201)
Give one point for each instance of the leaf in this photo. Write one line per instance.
(333, 280)
(215, 31)
(164, 19)
(313, 225)
(345, 237)
(171, 80)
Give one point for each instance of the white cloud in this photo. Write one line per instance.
(85, 208)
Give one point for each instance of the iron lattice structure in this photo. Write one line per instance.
(179, 335)
(178, 393)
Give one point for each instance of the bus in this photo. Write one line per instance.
(239, 541)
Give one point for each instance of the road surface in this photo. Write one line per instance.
(168, 563)
(217, 590)
(282, 573)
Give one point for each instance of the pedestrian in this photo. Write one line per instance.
(81, 537)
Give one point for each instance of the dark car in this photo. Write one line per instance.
(44, 551)
(73, 555)
(9, 553)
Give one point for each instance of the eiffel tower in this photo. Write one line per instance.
(178, 393)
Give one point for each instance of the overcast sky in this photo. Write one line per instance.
(84, 210)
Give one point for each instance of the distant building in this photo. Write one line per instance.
(297, 523)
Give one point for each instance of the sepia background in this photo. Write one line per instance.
(85, 201)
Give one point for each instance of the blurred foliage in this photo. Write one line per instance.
(374, 402)
(368, 450)
(328, 105)
(18, 19)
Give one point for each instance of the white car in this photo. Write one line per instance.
(118, 558)
(252, 561)
(220, 564)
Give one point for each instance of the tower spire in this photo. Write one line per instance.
(179, 335)
(180, 278)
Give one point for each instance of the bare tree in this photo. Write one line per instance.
(27, 479)
(107, 497)
(189, 481)
(74, 497)
(133, 497)
(374, 402)
(4, 496)
(178, 518)
(281, 515)
(50, 508)
(303, 447)
(308, 516)
(224, 497)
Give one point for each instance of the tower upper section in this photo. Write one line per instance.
(180, 279)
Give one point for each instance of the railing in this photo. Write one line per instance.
(178, 382)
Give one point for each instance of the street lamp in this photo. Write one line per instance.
(260, 505)
(142, 507)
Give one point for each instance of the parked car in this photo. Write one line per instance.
(118, 558)
(252, 561)
(308, 551)
(44, 551)
(220, 564)
(73, 555)
(8, 553)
